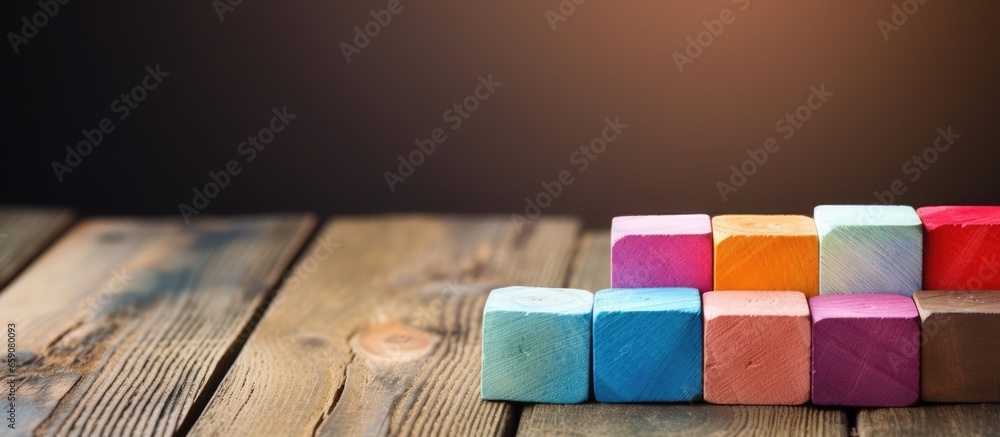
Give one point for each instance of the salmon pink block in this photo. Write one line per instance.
(865, 350)
(756, 347)
(961, 247)
(657, 251)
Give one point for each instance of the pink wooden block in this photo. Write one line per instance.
(866, 350)
(756, 347)
(657, 251)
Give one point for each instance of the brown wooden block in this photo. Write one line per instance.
(960, 357)
(930, 420)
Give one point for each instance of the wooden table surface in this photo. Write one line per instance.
(270, 325)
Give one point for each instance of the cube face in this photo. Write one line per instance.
(662, 251)
(766, 252)
(757, 347)
(960, 356)
(647, 345)
(865, 350)
(866, 249)
(961, 247)
(536, 345)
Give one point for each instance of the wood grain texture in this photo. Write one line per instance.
(960, 350)
(382, 336)
(24, 232)
(680, 420)
(536, 345)
(662, 251)
(961, 247)
(931, 421)
(757, 347)
(647, 345)
(591, 271)
(867, 249)
(122, 323)
(865, 350)
(766, 252)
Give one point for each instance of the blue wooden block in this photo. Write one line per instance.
(647, 345)
(536, 345)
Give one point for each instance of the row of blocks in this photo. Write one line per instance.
(554, 345)
(844, 249)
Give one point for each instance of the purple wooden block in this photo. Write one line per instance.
(658, 251)
(866, 350)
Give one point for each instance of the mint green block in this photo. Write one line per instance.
(869, 249)
(536, 345)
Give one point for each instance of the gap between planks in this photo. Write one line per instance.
(25, 233)
(382, 335)
(122, 321)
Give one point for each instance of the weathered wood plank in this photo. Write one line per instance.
(381, 332)
(24, 232)
(931, 420)
(591, 271)
(679, 420)
(121, 324)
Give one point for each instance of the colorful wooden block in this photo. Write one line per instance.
(960, 353)
(961, 247)
(865, 249)
(865, 350)
(766, 252)
(756, 347)
(647, 345)
(661, 251)
(536, 345)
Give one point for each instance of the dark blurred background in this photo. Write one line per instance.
(938, 68)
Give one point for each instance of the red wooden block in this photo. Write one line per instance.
(961, 247)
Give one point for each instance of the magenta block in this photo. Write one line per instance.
(865, 350)
(658, 251)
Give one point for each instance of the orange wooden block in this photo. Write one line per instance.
(757, 347)
(766, 252)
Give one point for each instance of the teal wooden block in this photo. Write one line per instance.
(536, 345)
(868, 249)
(647, 345)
